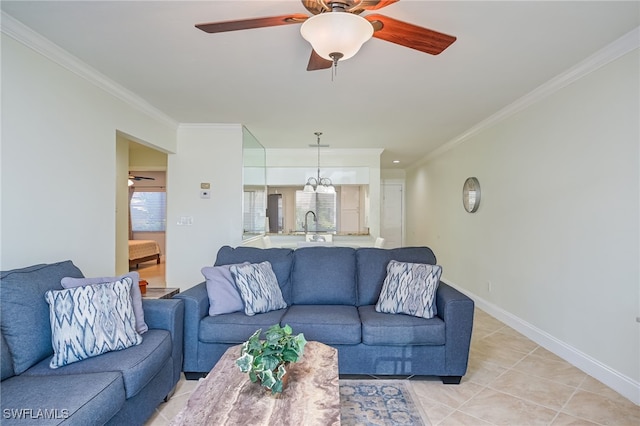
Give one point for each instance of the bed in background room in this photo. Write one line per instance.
(143, 251)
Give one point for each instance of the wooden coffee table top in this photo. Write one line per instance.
(227, 396)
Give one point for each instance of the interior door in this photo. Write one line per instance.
(349, 209)
(391, 217)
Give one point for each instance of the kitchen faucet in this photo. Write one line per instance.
(306, 220)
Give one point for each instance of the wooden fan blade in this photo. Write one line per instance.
(316, 6)
(409, 35)
(246, 24)
(352, 6)
(376, 4)
(317, 62)
(371, 5)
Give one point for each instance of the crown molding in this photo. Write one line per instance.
(355, 152)
(606, 55)
(25, 35)
(210, 126)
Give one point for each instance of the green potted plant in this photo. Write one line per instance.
(266, 360)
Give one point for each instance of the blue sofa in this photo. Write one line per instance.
(331, 294)
(117, 388)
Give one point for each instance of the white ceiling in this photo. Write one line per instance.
(387, 96)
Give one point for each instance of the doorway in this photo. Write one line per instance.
(141, 186)
(392, 214)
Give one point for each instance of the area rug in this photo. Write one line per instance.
(379, 403)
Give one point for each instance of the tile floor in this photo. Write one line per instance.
(510, 381)
(513, 381)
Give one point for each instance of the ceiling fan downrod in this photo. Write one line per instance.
(335, 6)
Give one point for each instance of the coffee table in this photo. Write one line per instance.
(227, 396)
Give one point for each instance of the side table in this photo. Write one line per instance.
(160, 292)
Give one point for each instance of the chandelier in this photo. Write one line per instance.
(319, 185)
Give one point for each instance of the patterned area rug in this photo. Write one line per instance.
(379, 403)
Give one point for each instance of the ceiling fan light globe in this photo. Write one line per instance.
(336, 32)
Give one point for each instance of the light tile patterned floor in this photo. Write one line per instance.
(513, 381)
(510, 381)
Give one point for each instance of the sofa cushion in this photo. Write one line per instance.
(236, 327)
(372, 268)
(137, 364)
(79, 399)
(24, 314)
(223, 295)
(330, 324)
(6, 363)
(280, 259)
(136, 295)
(91, 320)
(258, 287)
(324, 276)
(399, 329)
(410, 288)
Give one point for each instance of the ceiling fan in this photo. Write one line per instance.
(336, 31)
(132, 177)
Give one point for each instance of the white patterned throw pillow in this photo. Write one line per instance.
(258, 287)
(136, 295)
(410, 288)
(91, 320)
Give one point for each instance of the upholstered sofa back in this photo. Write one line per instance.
(372, 268)
(324, 276)
(281, 261)
(327, 275)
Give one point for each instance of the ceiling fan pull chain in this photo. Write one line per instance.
(336, 57)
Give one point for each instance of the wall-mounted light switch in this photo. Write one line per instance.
(185, 220)
(205, 193)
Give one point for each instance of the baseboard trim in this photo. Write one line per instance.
(622, 384)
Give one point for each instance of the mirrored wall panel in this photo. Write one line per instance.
(254, 204)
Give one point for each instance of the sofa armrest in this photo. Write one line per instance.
(456, 310)
(167, 314)
(164, 314)
(196, 307)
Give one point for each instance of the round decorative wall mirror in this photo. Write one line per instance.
(471, 195)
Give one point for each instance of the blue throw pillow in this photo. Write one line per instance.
(221, 290)
(258, 287)
(410, 288)
(91, 320)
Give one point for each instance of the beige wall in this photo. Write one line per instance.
(554, 246)
(213, 154)
(59, 163)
